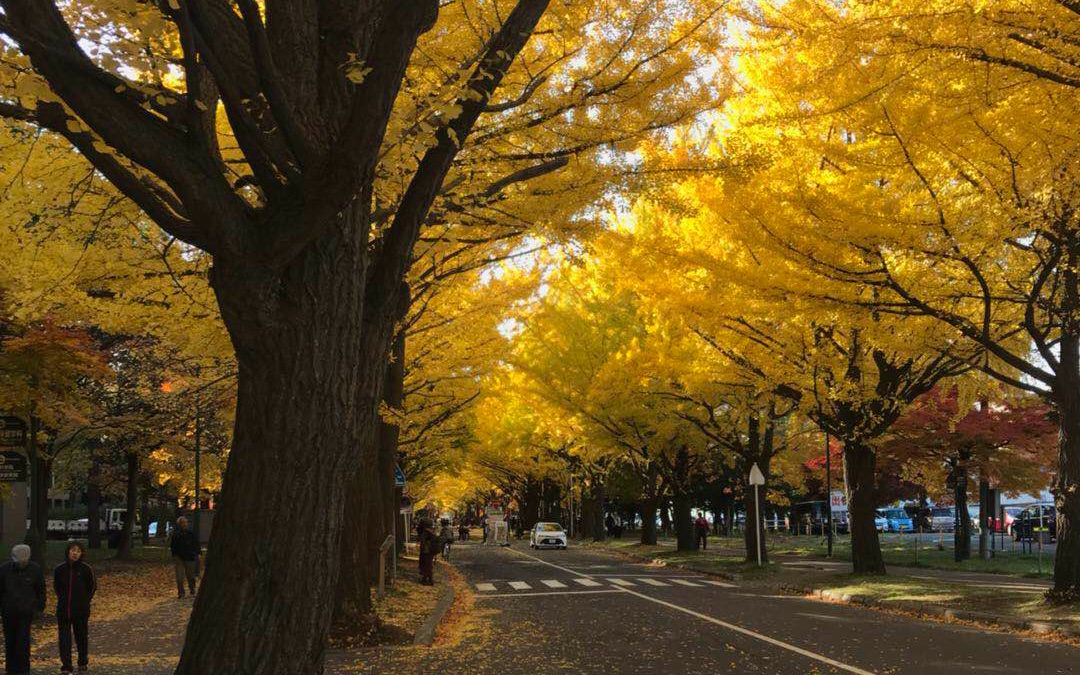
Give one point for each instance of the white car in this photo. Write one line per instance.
(547, 535)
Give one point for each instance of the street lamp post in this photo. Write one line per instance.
(828, 492)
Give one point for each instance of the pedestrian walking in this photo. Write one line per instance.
(446, 538)
(22, 594)
(701, 528)
(75, 585)
(463, 531)
(429, 547)
(186, 550)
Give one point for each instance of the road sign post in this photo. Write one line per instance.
(757, 479)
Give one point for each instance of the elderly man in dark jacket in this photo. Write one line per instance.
(22, 594)
(185, 552)
(75, 585)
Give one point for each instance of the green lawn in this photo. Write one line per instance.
(157, 551)
(896, 549)
(899, 550)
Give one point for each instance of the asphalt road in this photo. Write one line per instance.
(579, 611)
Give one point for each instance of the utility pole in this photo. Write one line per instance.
(828, 494)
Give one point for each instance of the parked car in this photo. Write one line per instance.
(165, 530)
(1029, 526)
(881, 523)
(1011, 513)
(547, 535)
(898, 519)
(56, 529)
(943, 519)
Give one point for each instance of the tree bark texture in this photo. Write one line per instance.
(596, 493)
(860, 464)
(684, 524)
(1067, 488)
(962, 533)
(984, 506)
(311, 374)
(370, 506)
(648, 520)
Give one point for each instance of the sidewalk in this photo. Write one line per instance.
(137, 626)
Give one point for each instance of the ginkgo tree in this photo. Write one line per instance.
(307, 163)
(923, 155)
(700, 258)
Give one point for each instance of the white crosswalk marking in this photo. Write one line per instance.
(722, 584)
(485, 587)
(652, 582)
(621, 582)
(551, 583)
(519, 585)
(684, 582)
(587, 582)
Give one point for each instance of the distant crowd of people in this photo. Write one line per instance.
(22, 597)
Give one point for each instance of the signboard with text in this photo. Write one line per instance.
(12, 467)
(838, 501)
(12, 432)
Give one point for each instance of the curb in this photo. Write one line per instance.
(1036, 626)
(425, 634)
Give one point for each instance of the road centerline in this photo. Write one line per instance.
(757, 636)
(821, 658)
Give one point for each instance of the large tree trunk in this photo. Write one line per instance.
(680, 502)
(984, 508)
(1067, 489)
(860, 465)
(370, 510)
(552, 502)
(40, 476)
(684, 524)
(597, 498)
(144, 514)
(753, 516)
(312, 361)
(962, 533)
(530, 510)
(648, 520)
(131, 493)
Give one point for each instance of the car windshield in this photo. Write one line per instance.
(942, 512)
(896, 513)
(548, 527)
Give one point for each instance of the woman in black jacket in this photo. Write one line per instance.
(75, 584)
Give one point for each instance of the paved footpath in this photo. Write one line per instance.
(580, 611)
(146, 642)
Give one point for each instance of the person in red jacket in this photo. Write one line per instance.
(701, 529)
(75, 585)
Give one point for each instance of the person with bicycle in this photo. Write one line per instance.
(446, 537)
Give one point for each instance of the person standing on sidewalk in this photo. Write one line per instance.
(75, 585)
(22, 594)
(429, 546)
(186, 550)
(701, 527)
